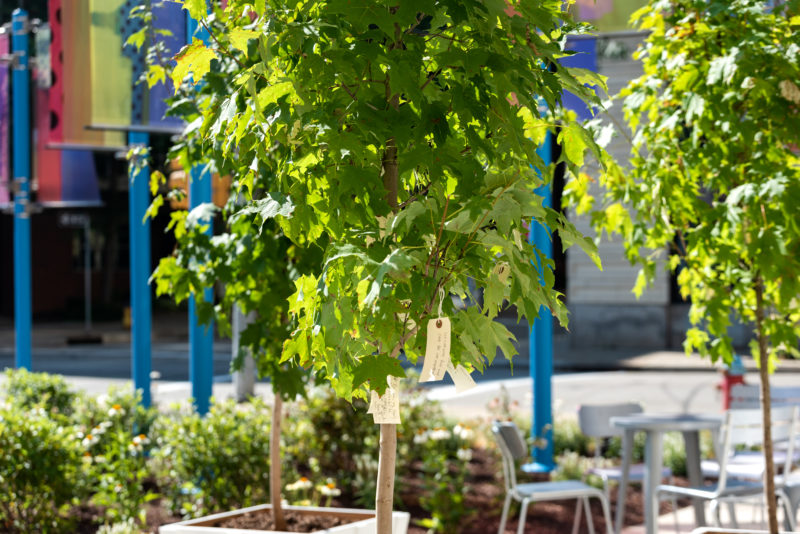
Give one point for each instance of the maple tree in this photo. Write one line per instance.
(715, 175)
(399, 139)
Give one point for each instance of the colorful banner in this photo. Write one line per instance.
(584, 58)
(76, 23)
(111, 74)
(5, 121)
(166, 16)
(608, 15)
(77, 173)
(46, 162)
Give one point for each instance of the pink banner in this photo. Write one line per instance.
(5, 120)
(47, 165)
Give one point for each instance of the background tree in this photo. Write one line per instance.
(714, 174)
(400, 138)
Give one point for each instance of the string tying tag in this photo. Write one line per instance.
(439, 313)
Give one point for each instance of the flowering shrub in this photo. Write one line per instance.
(446, 454)
(215, 462)
(120, 404)
(306, 493)
(30, 390)
(39, 470)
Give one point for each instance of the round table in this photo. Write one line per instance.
(654, 425)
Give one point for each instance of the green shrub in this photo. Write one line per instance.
(123, 405)
(567, 436)
(446, 452)
(329, 438)
(30, 390)
(40, 461)
(215, 462)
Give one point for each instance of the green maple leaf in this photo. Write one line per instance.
(376, 368)
(196, 59)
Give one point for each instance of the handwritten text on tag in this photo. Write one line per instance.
(437, 350)
(385, 409)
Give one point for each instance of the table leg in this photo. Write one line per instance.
(653, 458)
(627, 452)
(691, 441)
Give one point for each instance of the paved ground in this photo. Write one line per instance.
(660, 380)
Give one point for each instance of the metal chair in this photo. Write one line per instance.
(593, 421)
(742, 428)
(513, 448)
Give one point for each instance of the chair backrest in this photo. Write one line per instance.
(512, 448)
(594, 419)
(749, 395)
(743, 427)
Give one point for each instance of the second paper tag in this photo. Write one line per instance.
(437, 350)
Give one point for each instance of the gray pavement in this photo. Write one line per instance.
(660, 380)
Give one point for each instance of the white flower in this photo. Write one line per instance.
(421, 437)
(329, 489)
(115, 410)
(89, 440)
(102, 400)
(464, 432)
(440, 434)
(464, 454)
(301, 484)
(141, 439)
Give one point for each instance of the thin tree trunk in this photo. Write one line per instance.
(766, 404)
(386, 465)
(275, 463)
(384, 498)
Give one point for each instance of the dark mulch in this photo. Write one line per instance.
(484, 502)
(295, 522)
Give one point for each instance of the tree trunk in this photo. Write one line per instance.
(384, 498)
(386, 463)
(275, 464)
(766, 404)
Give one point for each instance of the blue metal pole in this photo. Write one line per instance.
(541, 344)
(21, 133)
(139, 228)
(201, 338)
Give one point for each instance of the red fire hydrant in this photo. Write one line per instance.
(731, 374)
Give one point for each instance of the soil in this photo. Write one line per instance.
(295, 522)
(484, 502)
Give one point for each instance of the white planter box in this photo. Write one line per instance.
(363, 521)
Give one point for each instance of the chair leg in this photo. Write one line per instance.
(607, 515)
(732, 514)
(577, 521)
(715, 513)
(504, 516)
(589, 521)
(789, 520)
(522, 514)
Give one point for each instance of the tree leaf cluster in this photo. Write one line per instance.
(314, 103)
(714, 174)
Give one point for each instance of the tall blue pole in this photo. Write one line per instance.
(139, 231)
(541, 343)
(201, 337)
(20, 87)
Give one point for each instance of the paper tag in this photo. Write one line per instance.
(437, 350)
(461, 377)
(517, 238)
(385, 409)
(502, 270)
